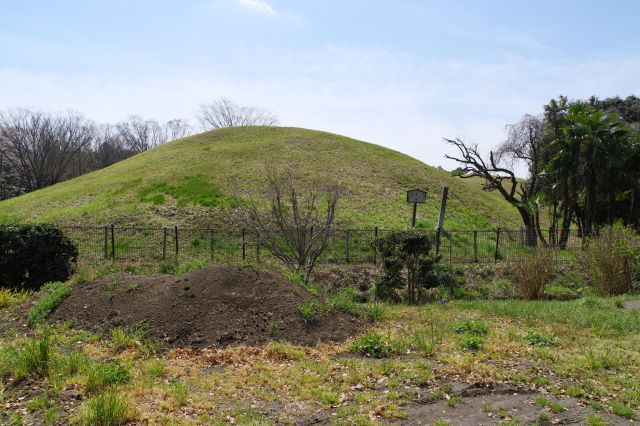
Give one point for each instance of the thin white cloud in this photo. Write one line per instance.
(260, 6)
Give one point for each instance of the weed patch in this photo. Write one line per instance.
(51, 295)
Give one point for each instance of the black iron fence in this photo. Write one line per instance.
(345, 245)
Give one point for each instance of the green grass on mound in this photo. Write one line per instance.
(187, 182)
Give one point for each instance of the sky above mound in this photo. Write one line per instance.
(399, 74)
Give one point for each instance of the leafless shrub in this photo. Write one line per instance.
(297, 224)
(225, 113)
(611, 261)
(533, 273)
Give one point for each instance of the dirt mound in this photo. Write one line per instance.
(215, 306)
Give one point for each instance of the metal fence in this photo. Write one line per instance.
(176, 244)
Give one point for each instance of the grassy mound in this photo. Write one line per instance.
(186, 182)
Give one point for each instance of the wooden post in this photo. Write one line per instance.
(375, 251)
(413, 220)
(113, 242)
(211, 243)
(443, 205)
(475, 246)
(106, 242)
(175, 235)
(164, 243)
(437, 240)
(244, 245)
(495, 257)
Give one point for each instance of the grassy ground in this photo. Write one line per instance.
(188, 182)
(559, 356)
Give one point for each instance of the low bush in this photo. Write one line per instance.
(373, 345)
(472, 343)
(31, 255)
(611, 261)
(51, 295)
(406, 261)
(471, 326)
(536, 338)
(310, 311)
(533, 272)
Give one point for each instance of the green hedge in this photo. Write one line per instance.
(31, 255)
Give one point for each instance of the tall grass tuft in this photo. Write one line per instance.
(10, 298)
(533, 273)
(107, 409)
(31, 360)
(611, 262)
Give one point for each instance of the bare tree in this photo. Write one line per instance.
(140, 135)
(225, 113)
(43, 147)
(108, 148)
(296, 228)
(499, 178)
(176, 129)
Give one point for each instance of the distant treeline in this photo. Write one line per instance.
(39, 149)
(583, 164)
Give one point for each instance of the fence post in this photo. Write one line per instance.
(495, 257)
(164, 243)
(175, 231)
(437, 240)
(475, 246)
(211, 244)
(113, 242)
(106, 242)
(347, 237)
(244, 245)
(375, 250)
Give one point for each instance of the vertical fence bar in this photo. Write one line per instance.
(437, 240)
(113, 242)
(475, 246)
(244, 245)
(495, 256)
(375, 250)
(211, 244)
(175, 235)
(164, 243)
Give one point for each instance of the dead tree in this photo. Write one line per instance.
(297, 225)
(515, 191)
(43, 148)
(225, 113)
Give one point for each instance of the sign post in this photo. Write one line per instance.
(415, 197)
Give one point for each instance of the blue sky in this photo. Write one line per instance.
(402, 74)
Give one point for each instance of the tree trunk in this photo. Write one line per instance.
(590, 183)
(528, 220)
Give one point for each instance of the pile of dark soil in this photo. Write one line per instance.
(215, 306)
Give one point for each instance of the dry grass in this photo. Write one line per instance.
(533, 272)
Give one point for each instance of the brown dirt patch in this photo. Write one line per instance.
(210, 307)
(500, 404)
